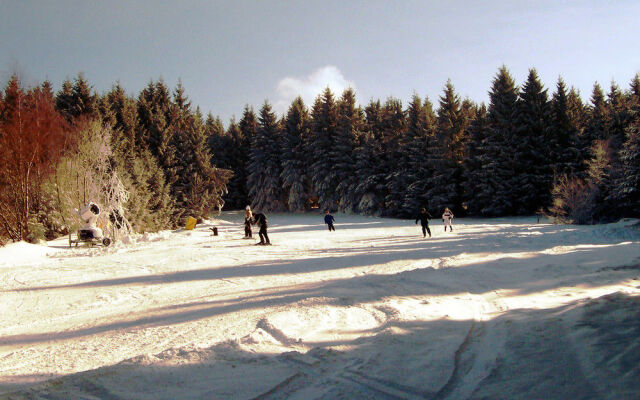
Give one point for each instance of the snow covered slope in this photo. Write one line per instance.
(499, 309)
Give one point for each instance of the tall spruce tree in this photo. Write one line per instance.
(349, 129)
(236, 197)
(120, 112)
(154, 133)
(416, 167)
(64, 99)
(618, 119)
(627, 191)
(530, 184)
(199, 187)
(220, 142)
(77, 100)
(626, 195)
(597, 121)
(324, 117)
(564, 134)
(445, 186)
(578, 113)
(149, 206)
(264, 168)
(295, 178)
(393, 129)
(370, 191)
(248, 129)
(499, 170)
(476, 179)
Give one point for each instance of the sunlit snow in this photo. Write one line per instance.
(498, 308)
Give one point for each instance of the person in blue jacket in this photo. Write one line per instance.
(329, 220)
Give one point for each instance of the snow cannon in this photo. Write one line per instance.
(90, 233)
(90, 214)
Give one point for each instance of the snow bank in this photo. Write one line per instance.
(23, 253)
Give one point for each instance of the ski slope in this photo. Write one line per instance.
(499, 309)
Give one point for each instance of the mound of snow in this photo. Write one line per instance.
(21, 253)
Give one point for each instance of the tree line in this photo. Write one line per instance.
(525, 152)
(148, 156)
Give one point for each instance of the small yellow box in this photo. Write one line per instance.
(191, 223)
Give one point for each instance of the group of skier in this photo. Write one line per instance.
(424, 218)
(261, 220)
(256, 219)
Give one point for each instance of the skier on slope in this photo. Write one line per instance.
(447, 216)
(329, 220)
(424, 217)
(248, 218)
(261, 220)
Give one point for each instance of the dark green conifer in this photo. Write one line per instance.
(627, 192)
(532, 166)
(237, 153)
(77, 100)
(248, 126)
(370, 191)
(447, 154)
(476, 178)
(416, 166)
(348, 130)
(564, 134)
(264, 168)
(324, 119)
(501, 116)
(296, 180)
(393, 129)
(597, 121)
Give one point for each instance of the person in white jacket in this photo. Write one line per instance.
(446, 218)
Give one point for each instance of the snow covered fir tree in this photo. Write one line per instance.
(529, 150)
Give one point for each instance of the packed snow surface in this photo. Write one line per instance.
(497, 309)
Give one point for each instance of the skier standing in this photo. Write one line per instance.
(248, 217)
(261, 220)
(446, 218)
(424, 217)
(329, 220)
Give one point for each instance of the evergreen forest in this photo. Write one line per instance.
(526, 152)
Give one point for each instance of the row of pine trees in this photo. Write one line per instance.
(525, 152)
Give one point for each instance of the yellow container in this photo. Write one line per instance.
(191, 223)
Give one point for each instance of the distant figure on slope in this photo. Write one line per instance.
(261, 220)
(446, 218)
(329, 220)
(424, 217)
(248, 219)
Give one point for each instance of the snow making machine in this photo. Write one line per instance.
(90, 234)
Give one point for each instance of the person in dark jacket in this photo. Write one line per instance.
(424, 217)
(261, 220)
(329, 220)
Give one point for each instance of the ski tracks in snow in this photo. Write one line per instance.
(351, 314)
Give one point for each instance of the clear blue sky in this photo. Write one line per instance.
(232, 53)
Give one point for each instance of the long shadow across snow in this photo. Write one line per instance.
(542, 356)
(372, 251)
(418, 282)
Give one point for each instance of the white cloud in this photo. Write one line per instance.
(310, 86)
